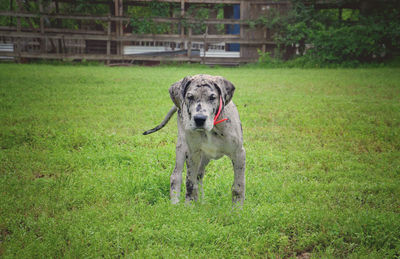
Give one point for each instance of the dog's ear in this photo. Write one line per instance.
(226, 89)
(177, 91)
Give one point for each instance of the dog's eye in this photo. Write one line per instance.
(190, 97)
(212, 97)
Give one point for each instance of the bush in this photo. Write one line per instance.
(365, 41)
(326, 36)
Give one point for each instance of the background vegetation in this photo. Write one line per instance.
(368, 32)
(77, 178)
(351, 32)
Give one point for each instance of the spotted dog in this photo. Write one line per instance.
(208, 128)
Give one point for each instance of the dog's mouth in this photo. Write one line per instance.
(201, 128)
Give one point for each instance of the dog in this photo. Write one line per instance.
(209, 127)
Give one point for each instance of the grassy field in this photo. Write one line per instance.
(78, 180)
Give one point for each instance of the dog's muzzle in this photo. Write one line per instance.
(200, 120)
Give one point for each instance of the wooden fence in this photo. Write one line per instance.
(116, 44)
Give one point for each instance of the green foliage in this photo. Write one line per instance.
(146, 25)
(78, 180)
(200, 13)
(267, 60)
(142, 17)
(5, 6)
(357, 37)
(371, 38)
(13, 7)
(77, 7)
(85, 7)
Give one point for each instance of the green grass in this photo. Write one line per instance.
(79, 180)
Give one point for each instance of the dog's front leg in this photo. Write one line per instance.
(176, 176)
(200, 175)
(192, 185)
(239, 183)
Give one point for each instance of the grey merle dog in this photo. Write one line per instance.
(208, 128)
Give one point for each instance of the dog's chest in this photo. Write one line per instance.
(212, 146)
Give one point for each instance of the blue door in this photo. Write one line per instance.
(234, 29)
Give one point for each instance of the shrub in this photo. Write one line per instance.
(337, 37)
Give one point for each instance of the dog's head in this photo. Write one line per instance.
(198, 98)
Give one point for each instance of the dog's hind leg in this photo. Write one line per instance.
(239, 182)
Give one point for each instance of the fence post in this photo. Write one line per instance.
(11, 10)
(58, 41)
(18, 47)
(264, 46)
(117, 27)
(189, 52)
(121, 28)
(109, 39)
(244, 34)
(43, 40)
(182, 27)
(205, 46)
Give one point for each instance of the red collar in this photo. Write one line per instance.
(219, 111)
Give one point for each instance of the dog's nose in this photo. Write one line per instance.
(200, 120)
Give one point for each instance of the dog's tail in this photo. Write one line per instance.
(163, 123)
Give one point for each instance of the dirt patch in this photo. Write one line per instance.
(4, 232)
(305, 255)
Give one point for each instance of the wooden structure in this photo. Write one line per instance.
(116, 41)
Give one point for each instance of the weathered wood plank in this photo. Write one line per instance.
(175, 20)
(321, 4)
(214, 1)
(120, 57)
(54, 30)
(134, 2)
(137, 37)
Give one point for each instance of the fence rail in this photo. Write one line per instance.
(175, 20)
